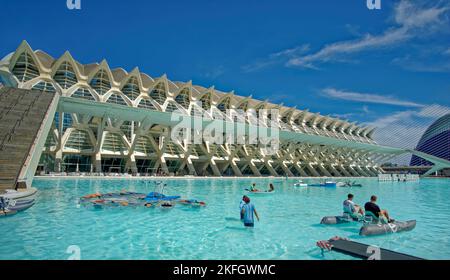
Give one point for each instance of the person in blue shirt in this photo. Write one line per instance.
(247, 211)
(241, 204)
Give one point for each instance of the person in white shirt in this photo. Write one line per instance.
(351, 207)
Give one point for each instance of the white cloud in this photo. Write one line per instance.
(413, 19)
(276, 58)
(332, 52)
(367, 98)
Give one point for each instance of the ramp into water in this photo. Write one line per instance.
(363, 251)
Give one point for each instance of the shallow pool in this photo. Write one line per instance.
(289, 226)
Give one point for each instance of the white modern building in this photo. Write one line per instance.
(111, 120)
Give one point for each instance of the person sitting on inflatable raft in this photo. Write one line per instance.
(253, 188)
(351, 208)
(374, 212)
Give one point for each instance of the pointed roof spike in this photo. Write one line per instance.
(104, 63)
(24, 43)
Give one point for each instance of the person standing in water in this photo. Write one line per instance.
(241, 205)
(271, 188)
(247, 211)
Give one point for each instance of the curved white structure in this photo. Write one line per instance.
(108, 122)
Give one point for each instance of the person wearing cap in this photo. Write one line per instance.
(247, 211)
(241, 204)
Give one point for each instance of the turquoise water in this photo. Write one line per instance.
(289, 226)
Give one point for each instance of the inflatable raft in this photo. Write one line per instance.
(126, 199)
(260, 192)
(155, 196)
(377, 229)
(14, 201)
(371, 228)
(192, 202)
(334, 220)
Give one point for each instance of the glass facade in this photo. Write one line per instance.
(101, 83)
(435, 141)
(25, 68)
(65, 75)
(77, 163)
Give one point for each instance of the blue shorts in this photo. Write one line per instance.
(249, 224)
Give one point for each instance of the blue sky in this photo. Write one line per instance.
(388, 67)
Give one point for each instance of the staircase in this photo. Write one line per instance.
(25, 120)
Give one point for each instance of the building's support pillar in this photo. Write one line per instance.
(223, 169)
(286, 170)
(190, 166)
(369, 171)
(214, 168)
(312, 170)
(360, 171)
(98, 146)
(377, 170)
(131, 164)
(270, 168)
(345, 172)
(98, 162)
(163, 165)
(300, 170)
(334, 171)
(235, 168)
(254, 168)
(58, 154)
(353, 171)
(324, 170)
(58, 160)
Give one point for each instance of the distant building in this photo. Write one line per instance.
(111, 120)
(435, 141)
